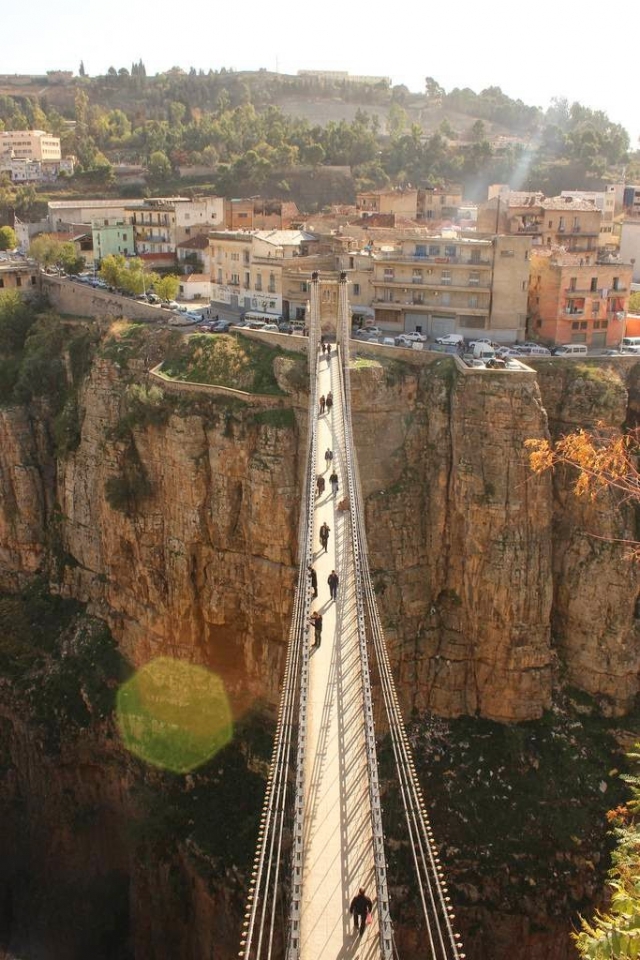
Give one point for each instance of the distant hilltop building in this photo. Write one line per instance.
(340, 75)
(29, 145)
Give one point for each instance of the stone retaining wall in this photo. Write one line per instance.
(187, 386)
(83, 300)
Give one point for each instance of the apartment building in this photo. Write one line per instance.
(605, 201)
(574, 299)
(401, 203)
(29, 145)
(18, 275)
(550, 222)
(439, 203)
(445, 284)
(247, 266)
(112, 236)
(198, 215)
(259, 214)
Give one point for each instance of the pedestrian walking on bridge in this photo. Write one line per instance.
(324, 535)
(322, 403)
(328, 457)
(333, 580)
(333, 480)
(316, 622)
(360, 909)
(329, 401)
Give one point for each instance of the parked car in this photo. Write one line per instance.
(478, 340)
(509, 353)
(285, 327)
(570, 350)
(373, 331)
(407, 339)
(221, 326)
(271, 328)
(451, 339)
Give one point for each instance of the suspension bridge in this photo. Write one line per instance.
(321, 836)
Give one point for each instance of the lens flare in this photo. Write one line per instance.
(174, 715)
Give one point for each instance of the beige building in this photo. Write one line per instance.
(550, 222)
(444, 284)
(18, 275)
(247, 266)
(401, 203)
(29, 145)
(439, 203)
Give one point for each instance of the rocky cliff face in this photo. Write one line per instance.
(484, 573)
(197, 560)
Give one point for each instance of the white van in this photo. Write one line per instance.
(537, 351)
(571, 350)
(630, 345)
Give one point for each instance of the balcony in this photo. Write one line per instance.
(401, 258)
(614, 291)
(574, 313)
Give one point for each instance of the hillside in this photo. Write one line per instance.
(239, 132)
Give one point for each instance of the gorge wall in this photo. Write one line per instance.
(174, 519)
(486, 574)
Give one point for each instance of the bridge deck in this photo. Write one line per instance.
(338, 837)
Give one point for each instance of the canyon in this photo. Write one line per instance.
(172, 519)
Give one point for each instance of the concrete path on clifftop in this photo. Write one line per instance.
(338, 841)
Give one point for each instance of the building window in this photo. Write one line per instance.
(572, 283)
(575, 325)
(259, 282)
(18, 281)
(450, 250)
(272, 283)
(304, 286)
(356, 289)
(235, 256)
(560, 225)
(474, 278)
(616, 283)
(445, 277)
(550, 224)
(421, 250)
(583, 324)
(247, 281)
(445, 299)
(473, 302)
(417, 276)
(388, 273)
(434, 251)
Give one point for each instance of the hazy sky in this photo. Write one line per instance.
(533, 51)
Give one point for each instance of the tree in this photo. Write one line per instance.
(634, 302)
(602, 461)
(45, 249)
(8, 239)
(616, 935)
(167, 287)
(159, 165)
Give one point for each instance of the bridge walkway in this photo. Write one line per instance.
(338, 844)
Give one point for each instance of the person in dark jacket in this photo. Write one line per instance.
(360, 907)
(329, 401)
(333, 480)
(333, 581)
(324, 535)
(313, 576)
